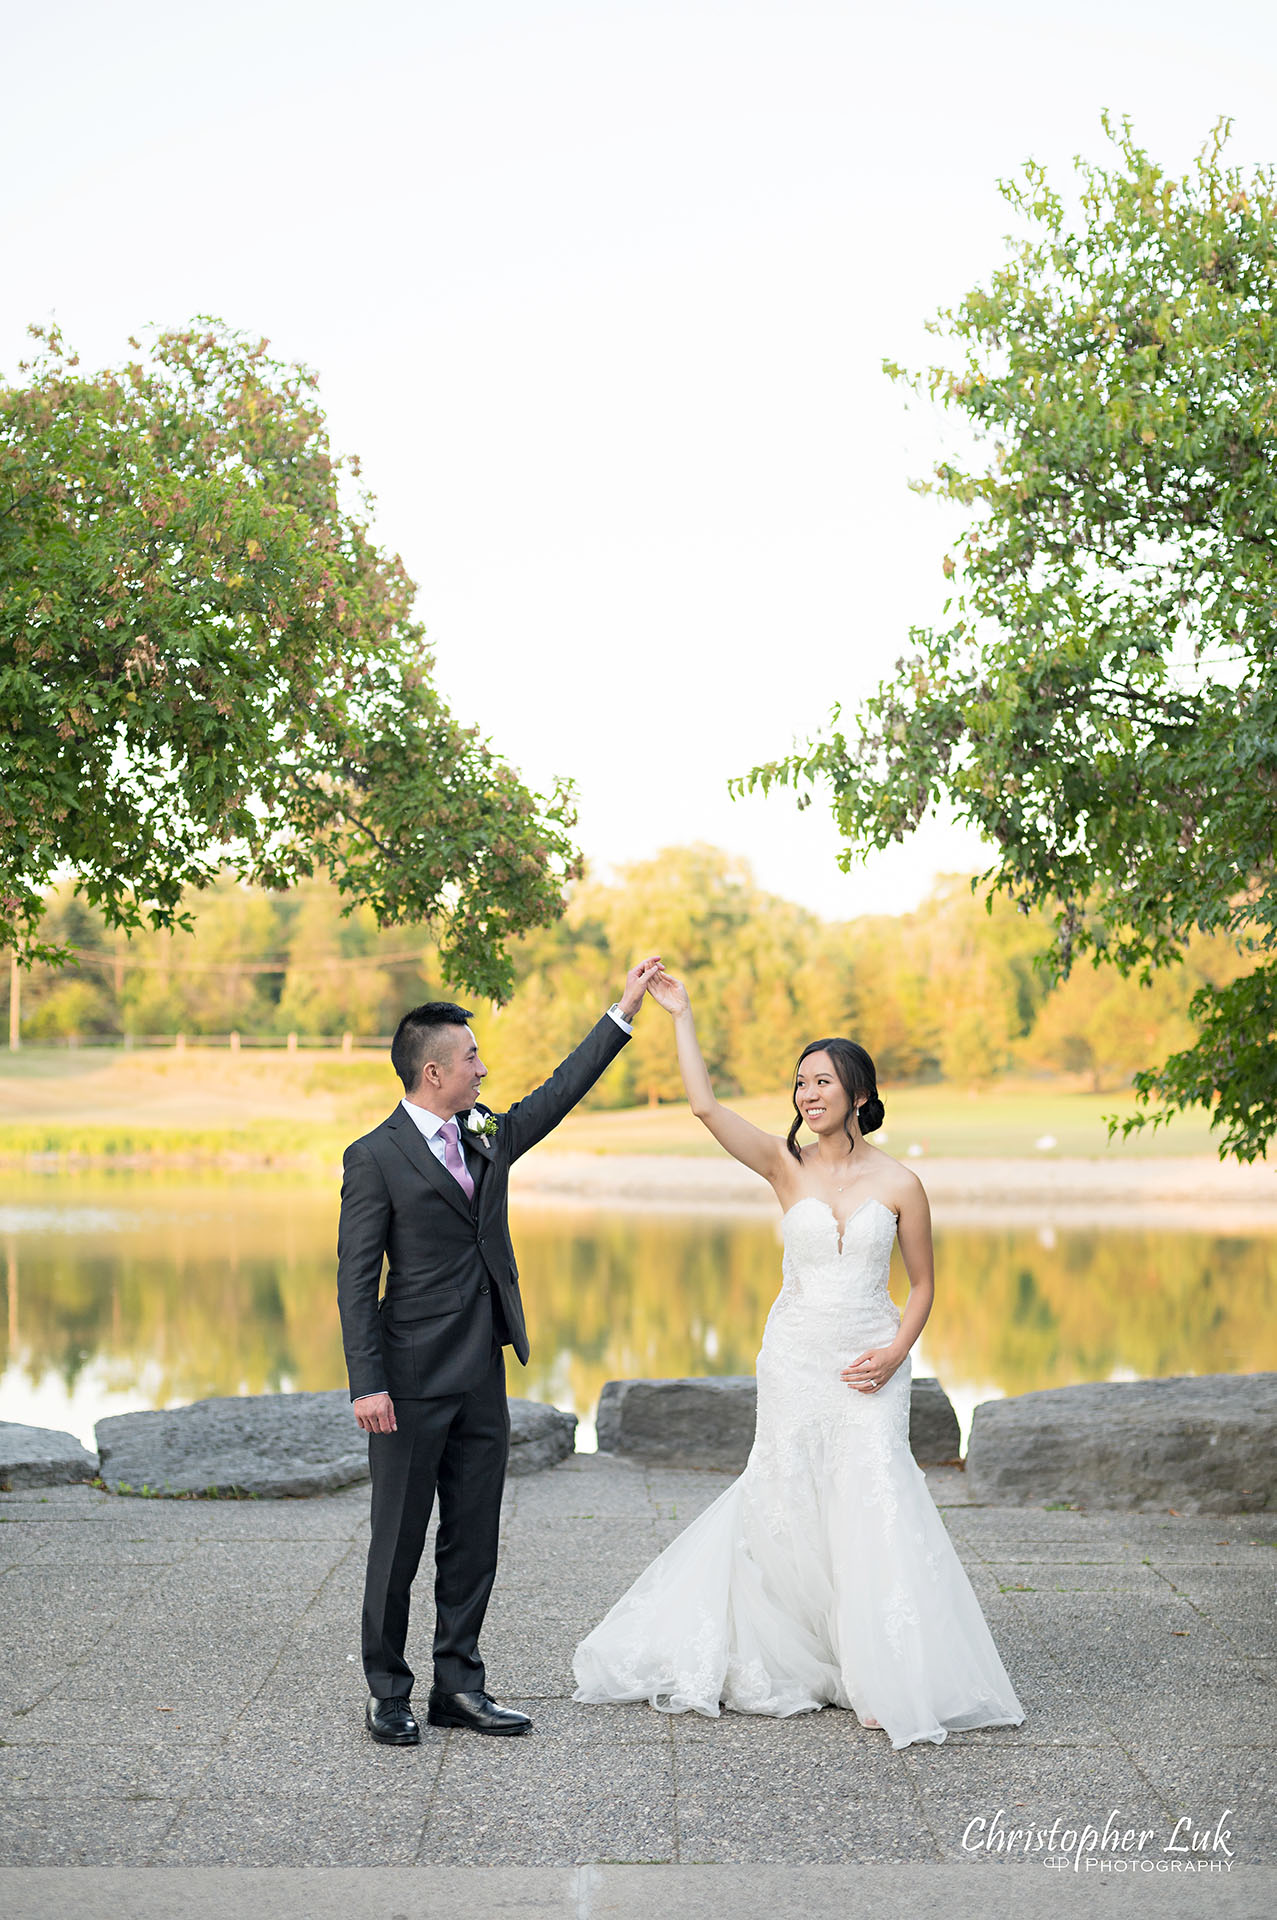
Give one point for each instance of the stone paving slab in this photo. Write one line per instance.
(248, 1828)
(894, 1892)
(551, 1802)
(843, 1802)
(183, 1692)
(590, 1486)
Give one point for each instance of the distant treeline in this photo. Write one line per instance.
(949, 991)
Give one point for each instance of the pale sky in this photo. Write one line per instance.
(600, 294)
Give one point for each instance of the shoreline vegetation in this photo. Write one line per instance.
(238, 1047)
(1012, 1146)
(952, 992)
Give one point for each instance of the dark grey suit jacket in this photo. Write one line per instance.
(432, 1331)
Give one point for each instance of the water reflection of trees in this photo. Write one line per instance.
(231, 1290)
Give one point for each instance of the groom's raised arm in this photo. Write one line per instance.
(530, 1119)
(362, 1232)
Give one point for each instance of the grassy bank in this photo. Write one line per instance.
(300, 1110)
(1004, 1122)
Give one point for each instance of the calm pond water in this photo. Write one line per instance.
(146, 1290)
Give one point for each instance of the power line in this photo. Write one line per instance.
(102, 957)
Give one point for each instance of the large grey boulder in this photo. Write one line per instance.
(1200, 1445)
(279, 1445)
(706, 1422)
(41, 1457)
(269, 1444)
(709, 1421)
(540, 1436)
(934, 1439)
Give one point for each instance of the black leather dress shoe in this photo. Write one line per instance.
(391, 1721)
(473, 1710)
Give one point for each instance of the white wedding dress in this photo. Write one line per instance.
(824, 1574)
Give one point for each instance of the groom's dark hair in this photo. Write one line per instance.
(420, 1034)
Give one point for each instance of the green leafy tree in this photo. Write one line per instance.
(949, 989)
(1110, 1025)
(766, 977)
(335, 983)
(1102, 703)
(205, 659)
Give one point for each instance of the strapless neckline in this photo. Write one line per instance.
(811, 1199)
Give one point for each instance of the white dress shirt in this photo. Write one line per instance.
(428, 1124)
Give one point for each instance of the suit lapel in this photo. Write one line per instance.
(480, 1164)
(414, 1149)
(479, 1142)
(478, 1155)
(477, 1165)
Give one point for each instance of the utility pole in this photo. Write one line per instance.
(15, 1002)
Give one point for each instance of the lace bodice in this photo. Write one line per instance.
(807, 1235)
(837, 1285)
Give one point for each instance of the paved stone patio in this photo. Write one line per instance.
(181, 1691)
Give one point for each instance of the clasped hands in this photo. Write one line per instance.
(636, 984)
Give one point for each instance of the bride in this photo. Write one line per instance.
(823, 1575)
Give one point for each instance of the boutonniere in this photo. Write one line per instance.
(481, 1126)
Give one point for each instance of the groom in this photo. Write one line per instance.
(427, 1189)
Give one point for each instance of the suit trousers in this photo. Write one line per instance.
(455, 1444)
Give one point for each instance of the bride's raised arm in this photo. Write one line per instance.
(745, 1142)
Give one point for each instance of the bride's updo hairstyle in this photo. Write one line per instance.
(858, 1075)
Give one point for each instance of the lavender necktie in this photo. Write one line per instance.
(453, 1160)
